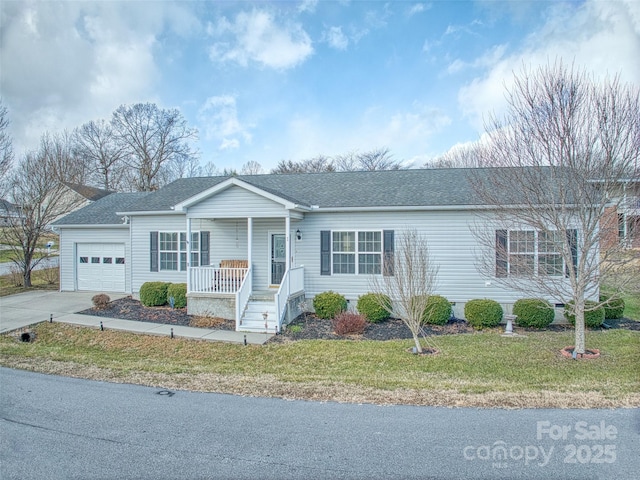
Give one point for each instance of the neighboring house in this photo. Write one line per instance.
(623, 221)
(87, 192)
(251, 247)
(8, 212)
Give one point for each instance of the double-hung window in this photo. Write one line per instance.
(173, 250)
(530, 252)
(195, 250)
(357, 252)
(168, 250)
(549, 257)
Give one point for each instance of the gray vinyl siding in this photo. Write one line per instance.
(452, 245)
(141, 227)
(69, 237)
(236, 202)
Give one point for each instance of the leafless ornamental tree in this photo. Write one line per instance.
(40, 198)
(571, 143)
(154, 141)
(409, 279)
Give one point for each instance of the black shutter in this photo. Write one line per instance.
(572, 239)
(154, 252)
(325, 252)
(502, 263)
(389, 250)
(204, 248)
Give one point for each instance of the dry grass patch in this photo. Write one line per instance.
(207, 322)
(474, 370)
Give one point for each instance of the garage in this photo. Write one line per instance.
(100, 267)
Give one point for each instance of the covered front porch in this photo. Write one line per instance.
(246, 268)
(251, 278)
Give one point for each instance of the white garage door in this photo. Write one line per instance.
(100, 267)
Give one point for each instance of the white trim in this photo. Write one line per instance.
(92, 226)
(401, 208)
(151, 212)
(357, 252)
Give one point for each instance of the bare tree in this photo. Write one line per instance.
(154, 141)
(6, 148)
(210, 169)
(571, 143)
(376, 159)
(40, 198)
(95, 143)
(461, 156)
(251, 168)
(409, 279)
(317, 164)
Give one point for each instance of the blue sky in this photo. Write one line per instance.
(267, 81)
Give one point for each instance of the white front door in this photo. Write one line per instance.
(278, 257)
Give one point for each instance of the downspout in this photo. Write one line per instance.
(188, 254)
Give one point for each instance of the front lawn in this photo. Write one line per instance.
(479, 369)
(45, 279)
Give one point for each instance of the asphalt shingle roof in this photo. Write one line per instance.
(103, 211)
(384, 188)
(429, 187)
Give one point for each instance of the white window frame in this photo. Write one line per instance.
(534, 251)
(180, 251)
(357, 252)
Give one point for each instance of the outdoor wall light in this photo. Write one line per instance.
(298, 234)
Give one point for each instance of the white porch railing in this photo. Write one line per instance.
(216, 280)
(292, 282)
(242, 296)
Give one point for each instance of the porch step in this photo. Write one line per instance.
(253, 318)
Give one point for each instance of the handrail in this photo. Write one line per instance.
(208, 279)
(292, 282)
(242, 296)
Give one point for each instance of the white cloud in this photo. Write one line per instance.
(65, 63)
(256, 37)
(417, 8)
(335, 38)
(487, 60)
(308, 6)
(601, 37)
(218, 118)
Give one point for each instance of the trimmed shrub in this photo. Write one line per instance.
(533, 313)
(179, 293)
(101, 301)
(437, 310)
(371, 306)
(153, 294)
(329, 304)
(347, 323)
(592, 318)
(481, 313)
(614, 307)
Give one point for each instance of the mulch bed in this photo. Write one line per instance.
(308, 327)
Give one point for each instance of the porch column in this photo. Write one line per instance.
(188, 254)
(287, 240)
(249, 240)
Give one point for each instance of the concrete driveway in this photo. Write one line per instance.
(24, 309)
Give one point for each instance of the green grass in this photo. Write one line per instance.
(45, 279)
(632, 306)
(481, 363)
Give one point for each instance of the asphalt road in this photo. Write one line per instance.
(63, 428)
(5, 268)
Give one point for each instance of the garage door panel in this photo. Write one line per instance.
(101, 267)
